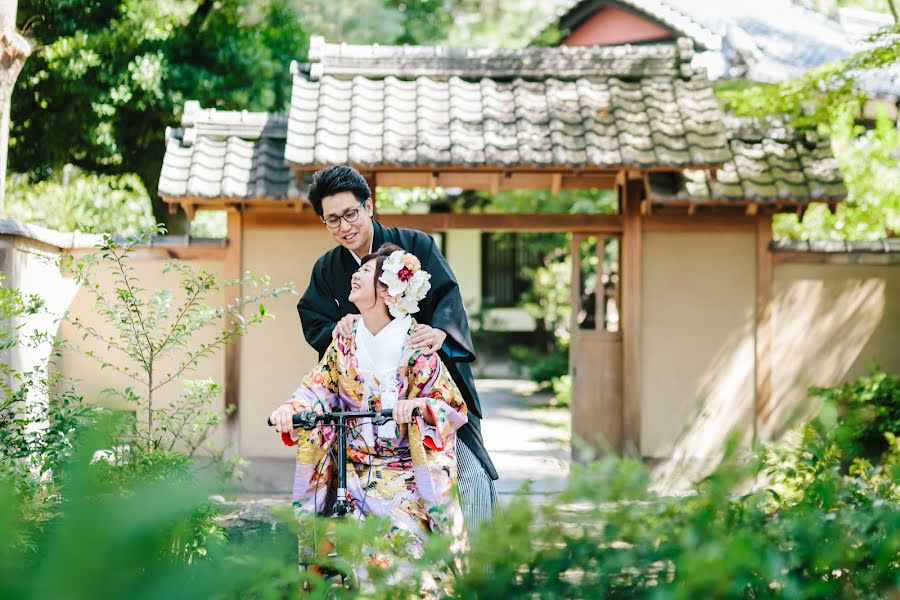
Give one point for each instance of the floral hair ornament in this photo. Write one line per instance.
(406, 281)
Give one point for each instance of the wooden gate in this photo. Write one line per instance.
(595, 351)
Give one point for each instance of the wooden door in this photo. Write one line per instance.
(595, 351)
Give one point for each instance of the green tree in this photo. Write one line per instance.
(88, 202)
(828, 98)
(108, 76)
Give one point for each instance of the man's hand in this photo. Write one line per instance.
(282, 418)
(427, 338)
(344, 327)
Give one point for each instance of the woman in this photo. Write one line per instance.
(404, 470)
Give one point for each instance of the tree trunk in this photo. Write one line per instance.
(14, 49)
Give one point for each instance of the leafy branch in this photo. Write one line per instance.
(144, 327)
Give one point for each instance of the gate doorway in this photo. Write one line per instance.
(595, 348)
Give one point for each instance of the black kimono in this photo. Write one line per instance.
(325, 302)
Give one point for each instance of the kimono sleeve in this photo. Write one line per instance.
(318, 312)
(446, 309)
(317, 392)
(430, 381)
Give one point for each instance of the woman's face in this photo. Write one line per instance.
(362, 286)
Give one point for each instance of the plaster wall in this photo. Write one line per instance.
(697, 343)
(275, 356)
(830, 321)
(92, 380)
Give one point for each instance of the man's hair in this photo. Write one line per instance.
(334, 180)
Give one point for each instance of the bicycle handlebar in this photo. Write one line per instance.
(308, 419)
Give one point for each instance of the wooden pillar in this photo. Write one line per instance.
(763, 338)
(234, 269)
(631, 193)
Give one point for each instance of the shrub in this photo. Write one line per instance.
(149, 329)
(866, 409)
(39, 414)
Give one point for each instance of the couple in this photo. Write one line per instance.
(385, 359)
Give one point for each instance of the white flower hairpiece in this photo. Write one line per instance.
(407, 283)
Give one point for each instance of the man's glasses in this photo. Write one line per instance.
(350, 216)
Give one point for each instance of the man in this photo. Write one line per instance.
(342, 199)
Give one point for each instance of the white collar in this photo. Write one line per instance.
(358, 259)
(382, 351)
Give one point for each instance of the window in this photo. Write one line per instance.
(506, 259)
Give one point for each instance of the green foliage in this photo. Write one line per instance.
(109, 76)
(828, 98)
(210, 224)
(871, 169)
(155, 341)
(499, 23)
(866, 410)
(814, 97)
(377, 21)
(543, 367)
(81, 201)
(562, 390)
(809, 530)
(134, 545)
(39, 413)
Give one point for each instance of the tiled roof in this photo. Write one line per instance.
(227, 154)
(438, 62)
(766, 162)
(771, 163)
(610, 112)
(763, 40)
(882, 246)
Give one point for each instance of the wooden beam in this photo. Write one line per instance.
(599, 290)
(447, 221)
(246, 204)
(233, 270)
(813, 257)
(631, 281)
(179, 252)
(764, 335)
(699, 222)
(575, 286)
(495, 181)
(752, 209)
(188, 210)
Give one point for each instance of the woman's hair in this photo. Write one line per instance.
(379, 256)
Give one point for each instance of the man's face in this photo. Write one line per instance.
(355, 235)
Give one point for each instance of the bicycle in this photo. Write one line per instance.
(342, 505)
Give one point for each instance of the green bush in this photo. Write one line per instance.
(814, 518)
(543, 367)
(151, 330)
(866, 409)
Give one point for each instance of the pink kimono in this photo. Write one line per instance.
(407, 472)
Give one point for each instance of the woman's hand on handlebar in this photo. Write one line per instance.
(281, 418)
(404, 408)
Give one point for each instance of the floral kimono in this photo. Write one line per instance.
(404, 472)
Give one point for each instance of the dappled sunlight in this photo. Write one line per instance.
(724, 394)
(822, 329)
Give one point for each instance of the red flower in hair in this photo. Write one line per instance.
(404, 274)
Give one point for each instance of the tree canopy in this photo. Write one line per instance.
(108, 76)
